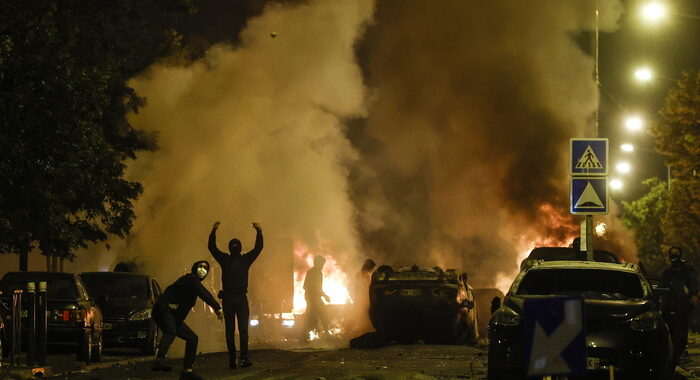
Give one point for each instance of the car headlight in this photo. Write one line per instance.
(644, 322)
(141, 315)
(506, 318)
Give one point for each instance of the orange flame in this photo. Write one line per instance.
(334, 279)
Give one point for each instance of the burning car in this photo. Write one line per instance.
(431, 304)
(624, 327)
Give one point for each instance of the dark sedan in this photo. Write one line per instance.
(431, 304)
(126, 300)
(624, 328)
(73, 317)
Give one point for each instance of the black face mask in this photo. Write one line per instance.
(234, 247)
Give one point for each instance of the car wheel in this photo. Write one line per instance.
(96, 351)
(149, 348)
(84, 348)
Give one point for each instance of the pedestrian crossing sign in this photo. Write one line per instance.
(589, 157)
(589, 196)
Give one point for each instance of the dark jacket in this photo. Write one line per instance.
(681, 279)
(184, 293)
(234, 268)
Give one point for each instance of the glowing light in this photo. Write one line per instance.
(254, 322)
(334, 279)
(601, 229)
(616, 184)
(313, 335)
(643, 74)
(623, 167)
(288, 323)
(634, 123)
(627, 147)
(654, 12)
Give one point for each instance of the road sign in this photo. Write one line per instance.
(589, 196)
(589, 157)
(555, 337)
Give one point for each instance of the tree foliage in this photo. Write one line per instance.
(64, 137)
(645, 217)
(678, 140)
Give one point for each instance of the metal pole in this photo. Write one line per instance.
(589, 237)
(41, 324)
(16, 326)
(597, 71)
(31, 320)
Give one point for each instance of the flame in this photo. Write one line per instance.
(334, 279)
(559, 230)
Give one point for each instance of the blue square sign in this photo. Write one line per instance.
(589, 157)
(554, 336)
(589, 196)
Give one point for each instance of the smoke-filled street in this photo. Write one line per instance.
(375, 189)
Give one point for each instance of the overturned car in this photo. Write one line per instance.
(431, 304)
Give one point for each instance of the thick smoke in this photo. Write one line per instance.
(464, 152)
(252, 133)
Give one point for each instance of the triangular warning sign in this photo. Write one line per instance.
(589, 160)
(589, 198)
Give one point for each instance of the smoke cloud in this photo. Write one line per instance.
(464, 152)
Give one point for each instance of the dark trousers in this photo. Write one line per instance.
(315, 315)
(236, 306)
(171, 328)
(678, 320)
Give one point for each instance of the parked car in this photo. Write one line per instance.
(624, 325)
(431, 304)
(73, 316)
(567, 253)
(126, 300)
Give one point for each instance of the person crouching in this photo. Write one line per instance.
(170, 311)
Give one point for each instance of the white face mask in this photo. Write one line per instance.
(201, 272)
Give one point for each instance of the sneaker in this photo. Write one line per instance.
(190, 375)
(232, 364)
(160, 365)
(245, 363)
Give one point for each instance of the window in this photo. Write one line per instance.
(589, 283)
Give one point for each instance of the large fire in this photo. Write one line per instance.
(334, 279)
(561, 229)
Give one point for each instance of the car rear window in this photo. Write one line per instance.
(115, 285)
(589, 283)
(58, 285)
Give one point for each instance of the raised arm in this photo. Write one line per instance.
(255, 252)
(218, 255)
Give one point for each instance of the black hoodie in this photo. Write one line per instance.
(234, 267)
(184, 293)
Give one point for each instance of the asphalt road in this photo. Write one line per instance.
(418, 361)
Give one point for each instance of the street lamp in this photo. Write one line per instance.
(654, 12)
(623, 167)
(627, 147)
(643, 74)
(634, 123)
(616, 184)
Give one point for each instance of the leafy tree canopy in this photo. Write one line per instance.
(678, 140)
(64, 136)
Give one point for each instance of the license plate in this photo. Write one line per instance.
(410, 292)
(592, 363)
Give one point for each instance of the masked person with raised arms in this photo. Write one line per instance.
(170, 311)
(234, 278)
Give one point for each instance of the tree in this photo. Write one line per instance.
(678, 140)
(645, 217)
(63, 102)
